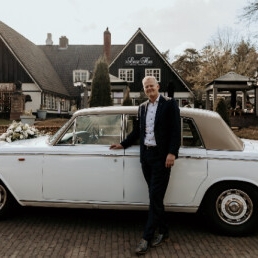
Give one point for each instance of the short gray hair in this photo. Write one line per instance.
(149, 77)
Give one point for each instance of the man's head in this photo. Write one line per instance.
(151, 87)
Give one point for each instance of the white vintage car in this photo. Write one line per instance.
(216, 172)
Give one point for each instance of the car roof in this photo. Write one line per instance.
(215, 133)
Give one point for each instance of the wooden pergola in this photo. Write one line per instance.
(230, 83)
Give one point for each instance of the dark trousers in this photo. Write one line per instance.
(157, 178)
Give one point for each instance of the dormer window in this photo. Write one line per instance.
(80, 76)
(139, 49)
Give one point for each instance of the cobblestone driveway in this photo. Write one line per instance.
(42, 232)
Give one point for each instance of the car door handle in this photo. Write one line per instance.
(191, 157)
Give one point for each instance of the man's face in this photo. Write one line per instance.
(151, 89)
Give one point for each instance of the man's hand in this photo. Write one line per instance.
(116, 146)
(170, 160)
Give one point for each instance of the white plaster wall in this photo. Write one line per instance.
(35, 93)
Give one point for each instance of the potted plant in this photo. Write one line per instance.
(42, 112)
(27, 118)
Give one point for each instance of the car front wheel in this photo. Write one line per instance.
(5, 201)
(232, 208)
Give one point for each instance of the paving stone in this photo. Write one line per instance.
(54, 233)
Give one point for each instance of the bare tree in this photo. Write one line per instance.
(224, 40)
(166, 54)
(250, 12)
(222, 55)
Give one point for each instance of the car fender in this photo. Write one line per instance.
(9, 188)
(208, 183)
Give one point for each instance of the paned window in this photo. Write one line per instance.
(126, 75)
(139, 49)
(153, 72)
(80, 75)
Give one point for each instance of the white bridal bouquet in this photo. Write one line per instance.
(19, 131)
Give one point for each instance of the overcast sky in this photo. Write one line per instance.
(170, 24)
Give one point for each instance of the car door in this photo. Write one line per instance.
(187, 174)
(81, 167)
(22, 172)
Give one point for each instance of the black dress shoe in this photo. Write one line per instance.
(143, 247)
(159, 239)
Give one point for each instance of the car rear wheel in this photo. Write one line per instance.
(6, 201)
(232, 208)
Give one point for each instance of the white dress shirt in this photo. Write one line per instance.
(150, 119)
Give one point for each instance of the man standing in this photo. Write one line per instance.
(158, 127)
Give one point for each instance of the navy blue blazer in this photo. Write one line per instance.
(167, 128)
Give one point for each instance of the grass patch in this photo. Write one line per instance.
(250, 132)
(5, 122)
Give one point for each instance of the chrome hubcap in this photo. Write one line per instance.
(234, 207)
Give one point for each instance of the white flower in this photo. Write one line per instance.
(11, 127)
(25, 127)
(3, 136)
(30, 132)
(19, 131)
(9, 130)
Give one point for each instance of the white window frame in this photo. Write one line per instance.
(80, 75)
(126, 75)
(139, 49)
(153, 72)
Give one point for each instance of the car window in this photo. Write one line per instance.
(190, 135)
(94, 129)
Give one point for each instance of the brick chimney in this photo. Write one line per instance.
(107, 45)
(49, 41)
(63, 42)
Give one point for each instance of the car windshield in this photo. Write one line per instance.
(93, 129)
(54, 137)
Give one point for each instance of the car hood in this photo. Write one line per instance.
(27, 143)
